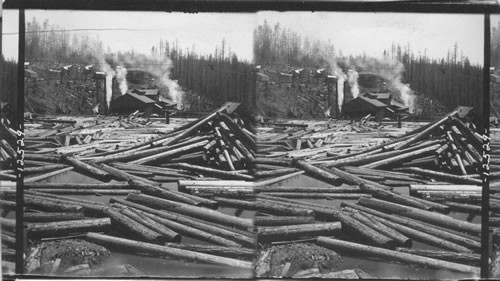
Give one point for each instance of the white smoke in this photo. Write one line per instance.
(110, 73)
(341, 77)
(352, 79)
(121, 78)
(391, 70)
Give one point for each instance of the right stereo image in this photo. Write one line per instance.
(372, 122)
(494, 174)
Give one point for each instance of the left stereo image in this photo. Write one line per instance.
(138, 136)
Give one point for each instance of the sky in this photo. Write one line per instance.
(353, 33)
(371, 33)
(145, 29)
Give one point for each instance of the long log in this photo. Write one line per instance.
(353, 179)
(273, 161)
(168, 234)
(351, 225)
(383, 229)
(278, 208)
(422, 236)
(320, 211)
(43, 169)
(69, 227)
(47, 175)
(235, 203)
(123, 185)
(441, 175)
(87, 169)
(465, 208)
(394, 197)
(124, 221)
(287, 232)
(48, 217)
(231, 252)
(214, 172)
(123, 176)
(402, 157)
(142, 247)
(427, 216)
(162, 193)
(192, 227)
(390, 255)
(342, 189)
(445, 187)
(189, 210)
(425, 132)
(319, 173)
(282, 220)
(88, 191)
(464, 258)
(91, 208)
(421, 226)
(171, 153)
(328, 196)
(52, 206)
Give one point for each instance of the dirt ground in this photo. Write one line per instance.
(273, 261)
(71, 252)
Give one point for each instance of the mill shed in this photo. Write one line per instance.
(364, 105)
(130, 102)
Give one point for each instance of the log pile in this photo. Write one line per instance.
(395, 189)
(137, 167)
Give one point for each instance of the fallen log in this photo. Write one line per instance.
(87, 169)
(422, 236)
(68, 227)
(47, 175)
(282, 220)
(286, 232)
(123, 185)
(88, 191)
(191, 227)
(162, 193)
(464, 258)
(171, 153)
(121, 220)
(353, 226)
(465, 208)
(197, 212)
(269, 189)
(441, 175)
(231, 252)
(390, 232)
(319, 173)
(328, 196)
(431, 217)
(421, 226)
(390, 255)
(51, 205)
(142, 247)
(402, 157)
(214, 172)
(240, 204)
(168, 234)
(445, 187)
(49, 217)
(273, 161)
(278, 208)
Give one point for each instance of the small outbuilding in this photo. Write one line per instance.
(130, 102)
(364, 105)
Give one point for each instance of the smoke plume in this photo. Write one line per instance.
(352, 79)
(121, 78)
(391, 70)
(341, 76)
(110, 73)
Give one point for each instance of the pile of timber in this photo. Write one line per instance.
(144, 214)
(494, 202)
(439, 165)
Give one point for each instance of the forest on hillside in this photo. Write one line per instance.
(218, 77)
(452, 80)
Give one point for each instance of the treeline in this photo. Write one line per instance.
(279, 45)
(495, 46)
(453, 80)
(219, 76)
(51, 43)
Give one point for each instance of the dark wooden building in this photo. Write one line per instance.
(130, 102)
(362, 106)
